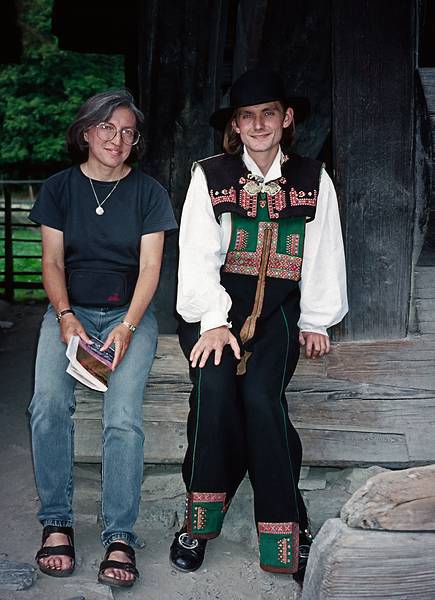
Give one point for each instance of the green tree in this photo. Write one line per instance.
(40, 96)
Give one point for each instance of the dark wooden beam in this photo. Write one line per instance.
(373, 125)
(296, 41)
(180, 60)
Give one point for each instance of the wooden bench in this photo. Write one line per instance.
(366, 403)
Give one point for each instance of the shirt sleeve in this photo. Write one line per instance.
(323, 278)
(159, 215)
(200, 295)
(47, 209)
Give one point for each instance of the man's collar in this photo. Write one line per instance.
(274, 171)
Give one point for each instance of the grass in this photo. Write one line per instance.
(26, 241)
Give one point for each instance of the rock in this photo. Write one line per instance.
(347, 563)
(16, 576)
(326, 503)
(397, 500)
(82, 588)
(358, 476)
(162, 486)
(315, 479)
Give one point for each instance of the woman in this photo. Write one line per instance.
(102, 225)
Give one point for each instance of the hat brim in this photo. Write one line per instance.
(300, 105)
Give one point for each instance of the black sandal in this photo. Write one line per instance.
(130, 567)
(66, 550)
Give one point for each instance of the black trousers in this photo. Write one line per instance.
(240, 424)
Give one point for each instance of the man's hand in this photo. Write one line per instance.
(316, 344)
(213, 340)
(120, 337)
(69, 326)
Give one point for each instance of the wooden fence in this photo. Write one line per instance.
(14, 208)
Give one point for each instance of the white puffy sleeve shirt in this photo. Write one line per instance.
(204, 243)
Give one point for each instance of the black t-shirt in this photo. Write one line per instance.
(139, 205)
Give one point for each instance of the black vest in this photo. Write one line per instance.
(232, 187)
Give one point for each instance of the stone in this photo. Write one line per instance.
(347, 563)
(358, 476)
(326, 503)
(16, 576)
(81, 587)
(396, 500)
(162, 486)
(315, 479)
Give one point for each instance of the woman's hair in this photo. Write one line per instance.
(95, 110)
(232, 143)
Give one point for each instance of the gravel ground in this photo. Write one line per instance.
(230, 570)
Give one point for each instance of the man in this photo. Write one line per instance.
(261, 271)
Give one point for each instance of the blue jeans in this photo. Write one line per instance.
(52, 408)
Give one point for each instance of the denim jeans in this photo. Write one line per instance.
(52, 408)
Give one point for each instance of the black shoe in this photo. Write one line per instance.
(187, 553)
(305, 541)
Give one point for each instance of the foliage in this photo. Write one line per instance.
(40, 96)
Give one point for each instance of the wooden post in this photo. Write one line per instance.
(373, 129)
(179, 61)
(9, 259)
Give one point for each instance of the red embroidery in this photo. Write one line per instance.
(280, 266)
(223, 196)
(208, 496)
(249, 203)
(279, 528)
(303, 199)
(276, 203)
(241, 239)
(292, 244)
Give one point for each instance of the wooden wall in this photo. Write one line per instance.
(373, 129)
(356, 60)
(180, 51)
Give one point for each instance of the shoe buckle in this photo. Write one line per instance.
(187, 542)
(304, 551)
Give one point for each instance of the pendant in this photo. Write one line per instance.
(99, 210)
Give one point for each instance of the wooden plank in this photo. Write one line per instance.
(354, 564)
(341, 448)
(427, 76)
(341, 421)
(373, 59)
(166, 443)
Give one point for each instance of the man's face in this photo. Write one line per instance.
(260, 126)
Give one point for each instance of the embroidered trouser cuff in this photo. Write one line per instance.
(279, 547)
(205, 514)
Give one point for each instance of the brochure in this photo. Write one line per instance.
(88, 364)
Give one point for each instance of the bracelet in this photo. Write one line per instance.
(62, 313)
(129, 326)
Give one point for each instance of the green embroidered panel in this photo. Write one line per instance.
(247, 237)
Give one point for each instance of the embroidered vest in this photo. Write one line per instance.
(277, 210)
(233, 188)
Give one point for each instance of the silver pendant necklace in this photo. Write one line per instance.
(100, 210)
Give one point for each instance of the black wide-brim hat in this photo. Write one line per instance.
(258, 86)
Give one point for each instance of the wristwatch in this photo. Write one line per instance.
(62, 313)
(129, 326)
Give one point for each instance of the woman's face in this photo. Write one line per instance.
(115, 152)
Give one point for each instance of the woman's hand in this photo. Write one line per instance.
(120, 337)
(316, 344)
(213, 340)
(69, 326)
